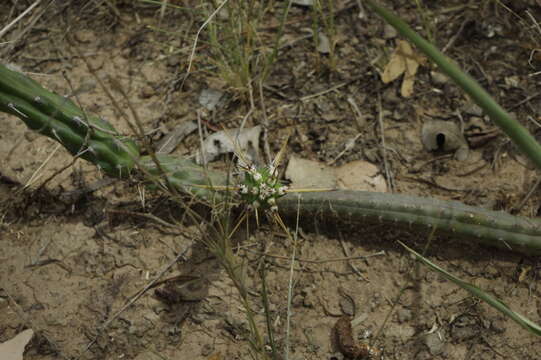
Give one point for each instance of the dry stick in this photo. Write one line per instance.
(319, 261)
(346, 252)
(454, 37)
(405, 287)
(528, 195)
(33, 21)
(173, 191)
(247, 115)
(383, 149)
(132, 127)
(148, 216)
(56, 173)
(192, 54)
(35, 174)
(23, 14)
(333, 88)
(134, 299)
(112, 7)
(266, 307)
(163, 8)
(290, 287)
(149, 149)
(359, 118)
(266, 146)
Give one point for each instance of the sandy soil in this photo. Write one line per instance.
(72, 257)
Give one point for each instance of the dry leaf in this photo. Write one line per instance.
(360, 175)
(210, 98)
(395, 67)
(324, 44)
(14, 349)
(173, 138)
(356, 175)
(403, 61)
(303, 2)
(245, 142)
(308, 174)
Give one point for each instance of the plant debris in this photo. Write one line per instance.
(403, 61)
(240, 141)
(439, 135)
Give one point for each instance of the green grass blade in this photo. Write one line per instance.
(518, 133)
(475, 291)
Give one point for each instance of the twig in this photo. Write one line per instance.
(32, 22)
(333, 88)
(388, 174)
(192, 54)
(148, 216)
(346, 252)
(319, 261)
(134, 299)
(359, 118)
(290, 286)
(35, 174)
(454, 37)
(23, 14)
(347, 147)
(528, 195)
(266, 146)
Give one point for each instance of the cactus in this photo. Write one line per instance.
(97, 141)
(85, 136)
(183, 175)
(92, 138)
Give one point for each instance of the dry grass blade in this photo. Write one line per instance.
(21, 15)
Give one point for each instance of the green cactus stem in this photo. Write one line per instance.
(83, 135)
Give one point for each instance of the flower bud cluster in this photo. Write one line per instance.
(261, 188)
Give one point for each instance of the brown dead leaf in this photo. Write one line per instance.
(403, 61)
(360, 175)
(215, 356)
(356, 175)
(13, 349)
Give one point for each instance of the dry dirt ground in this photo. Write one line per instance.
(71, 258)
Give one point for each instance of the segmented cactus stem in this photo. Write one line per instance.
(57, 117)
(95, 140)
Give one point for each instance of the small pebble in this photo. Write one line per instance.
(389, 32)
(147, 92)
(439, 78)
(85, 36)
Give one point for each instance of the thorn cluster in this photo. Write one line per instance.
(261, 188)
